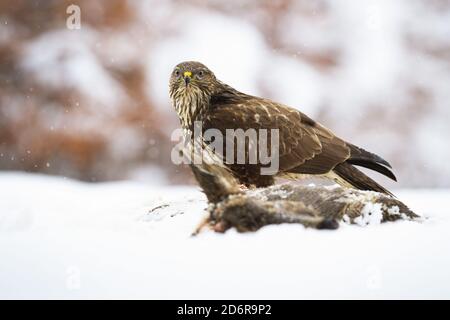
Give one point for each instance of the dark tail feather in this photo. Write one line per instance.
(359, 154)
(358, 179)
(374, 166)
(363, 158)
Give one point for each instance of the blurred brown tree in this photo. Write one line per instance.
(43, 127)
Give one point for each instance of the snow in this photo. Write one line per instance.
(371, 214)
(65, 239)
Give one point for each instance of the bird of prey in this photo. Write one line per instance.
(306, 148)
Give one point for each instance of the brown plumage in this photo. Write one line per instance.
(305, 146)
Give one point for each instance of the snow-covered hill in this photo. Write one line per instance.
(65, 239)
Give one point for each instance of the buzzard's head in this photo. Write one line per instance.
(191, 86)
(191, 76)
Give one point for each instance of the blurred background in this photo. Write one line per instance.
(92, 103)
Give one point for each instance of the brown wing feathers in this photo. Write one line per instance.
(335, 151)
(306, 147)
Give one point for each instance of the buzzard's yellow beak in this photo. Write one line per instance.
(187, 77)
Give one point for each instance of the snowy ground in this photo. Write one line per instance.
(66, 239)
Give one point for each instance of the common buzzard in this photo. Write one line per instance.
(305, 146)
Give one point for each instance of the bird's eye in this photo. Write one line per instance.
(177, 73)
(200, 74)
